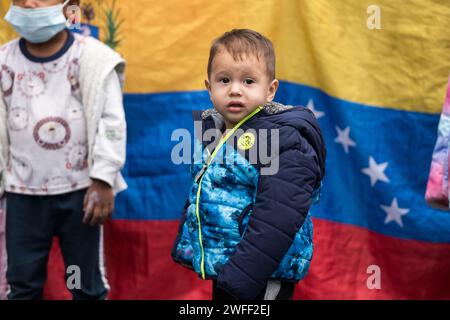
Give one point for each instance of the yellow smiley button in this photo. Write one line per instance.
(246, 141)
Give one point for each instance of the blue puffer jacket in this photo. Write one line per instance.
(247, 216)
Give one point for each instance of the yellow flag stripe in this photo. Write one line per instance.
(321, 43)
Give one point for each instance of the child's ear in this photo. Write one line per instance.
(272, 90)
(208, 86)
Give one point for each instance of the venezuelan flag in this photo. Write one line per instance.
(374, 74)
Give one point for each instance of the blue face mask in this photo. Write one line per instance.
(37, 25)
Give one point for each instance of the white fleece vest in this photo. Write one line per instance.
(96, 63)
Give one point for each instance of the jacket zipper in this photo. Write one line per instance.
(199, 179)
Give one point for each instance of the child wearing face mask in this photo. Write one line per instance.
(62, 146)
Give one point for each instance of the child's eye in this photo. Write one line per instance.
(224, 80)
(249, 81)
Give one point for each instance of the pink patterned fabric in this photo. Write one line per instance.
(437, 192)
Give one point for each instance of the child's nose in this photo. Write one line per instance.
(29, 4)
(235, 89)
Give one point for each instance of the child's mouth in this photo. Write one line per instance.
(235, 107)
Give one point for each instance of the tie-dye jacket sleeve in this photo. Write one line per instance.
(437, 192)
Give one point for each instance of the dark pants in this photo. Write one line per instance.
(31, 223)
(274, 290)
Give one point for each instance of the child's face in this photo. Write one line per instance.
(238, 87)
(33, 4)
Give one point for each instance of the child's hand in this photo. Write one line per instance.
(98, 203)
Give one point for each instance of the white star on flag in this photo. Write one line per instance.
(376, 171)
(344, 138)
(394, 213)
(318, 114)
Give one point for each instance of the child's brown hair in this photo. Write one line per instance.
(240, 42)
